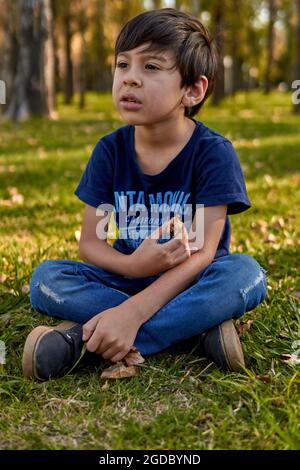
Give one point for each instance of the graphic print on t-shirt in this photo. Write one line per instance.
(138, 213)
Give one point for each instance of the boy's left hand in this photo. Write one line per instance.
(112, 332)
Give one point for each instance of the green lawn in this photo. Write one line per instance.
(179, 400)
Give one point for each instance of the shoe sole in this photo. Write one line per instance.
(31, 344)
(231, 346)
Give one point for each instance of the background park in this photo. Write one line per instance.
(56, 63)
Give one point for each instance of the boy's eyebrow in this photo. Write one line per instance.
(148, 56)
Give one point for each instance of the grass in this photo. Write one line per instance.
(180, 400)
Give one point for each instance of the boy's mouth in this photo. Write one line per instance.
(131, 98)
(130, 102)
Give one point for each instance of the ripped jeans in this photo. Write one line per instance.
(230, 286)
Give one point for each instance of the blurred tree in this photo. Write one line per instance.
(218, 33)
(270, 44)
(82, 27)
(157, 4)
(66, 17)
(30, 92)
(297, 71)
(99, 71)
(195, 7)
(9, 43)
(49, 71)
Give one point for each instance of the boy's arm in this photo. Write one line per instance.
(148, 259)
(112, 333)
(147, 302)
(97, 251)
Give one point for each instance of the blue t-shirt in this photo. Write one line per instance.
(206, 171)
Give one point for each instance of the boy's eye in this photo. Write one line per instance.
(123, 65)
(152, 67)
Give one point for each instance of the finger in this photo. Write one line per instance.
(89, 327)
(161, 230)
(172, 245)
(94, 343)
(181, 254)
(109, 352)
(119, 356)
(180, 231)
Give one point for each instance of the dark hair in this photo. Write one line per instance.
(186, 36)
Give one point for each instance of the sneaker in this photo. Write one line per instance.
(222, 345)
(51, 351)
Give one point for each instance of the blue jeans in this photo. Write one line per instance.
(227, 288)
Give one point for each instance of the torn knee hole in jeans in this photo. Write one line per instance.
(49, 293)
(259, 278)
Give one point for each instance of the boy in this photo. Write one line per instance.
(140, 292)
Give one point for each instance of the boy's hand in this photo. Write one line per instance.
(112, 332)
(152, 257)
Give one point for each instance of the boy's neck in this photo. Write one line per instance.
(164, 135)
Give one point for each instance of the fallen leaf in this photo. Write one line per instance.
(243, 326)
(290, 358)
(284, 334)
(119, 371)
(264, 378)
(277, 222)
(31, 141)
(271, 238)
(296, 294)
(17, 199)
(77, 235)
(269, 180)
(25, 289)
(133, 357)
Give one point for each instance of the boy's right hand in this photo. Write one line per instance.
(152, 258)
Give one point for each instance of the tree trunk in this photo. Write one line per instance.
(195, 7)
(237, 62)
(101, 72)
(68, 65)
(29, 91)
(49, 59)
(218, 21)
(10, 49)
(83, 54)
(297, 74)
(157, 4)
(270, 47)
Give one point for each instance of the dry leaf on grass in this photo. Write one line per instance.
(133, 357)
(125, 367)
(292, 359)
(296, 294)
(119, 371)
(25, 289)
(77, 235)
(243, 326)
(264, 378)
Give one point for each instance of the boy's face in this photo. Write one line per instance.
(146, 87)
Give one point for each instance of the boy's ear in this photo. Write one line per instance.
(194, 94)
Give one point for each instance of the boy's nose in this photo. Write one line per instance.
(132, 80)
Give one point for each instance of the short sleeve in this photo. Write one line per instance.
(220, 180)
(95, 186)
